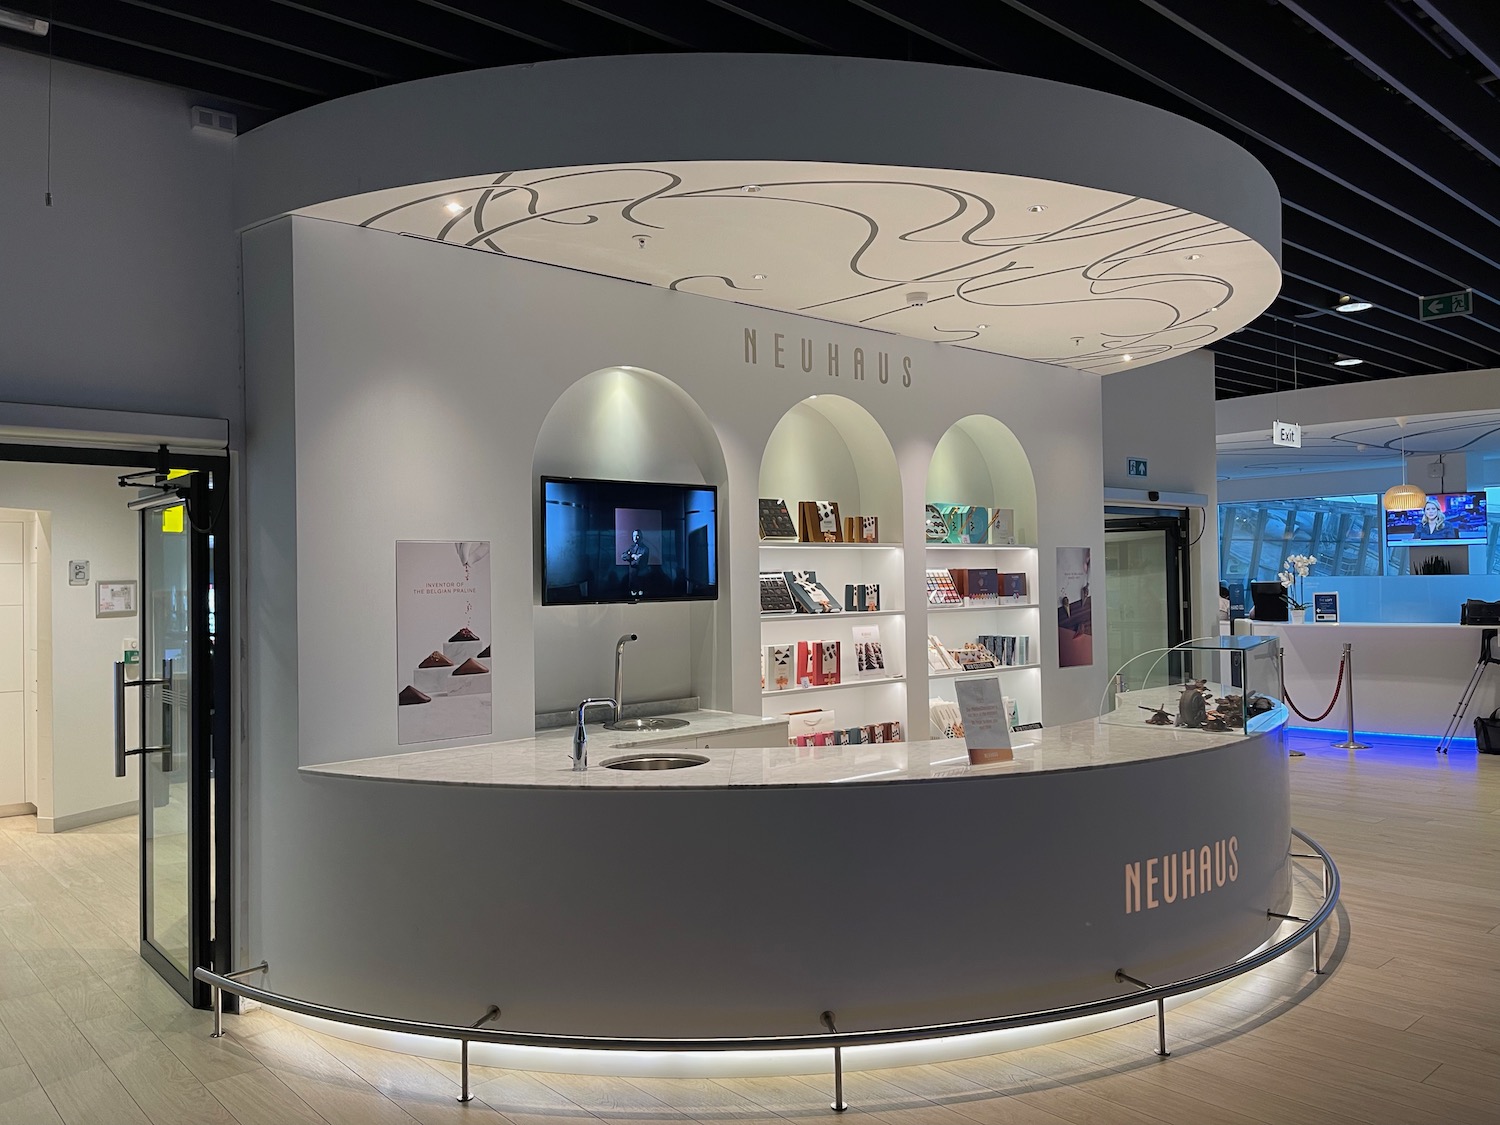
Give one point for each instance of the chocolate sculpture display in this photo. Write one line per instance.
(1192, 705)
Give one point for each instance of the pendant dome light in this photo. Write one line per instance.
(1403, 497)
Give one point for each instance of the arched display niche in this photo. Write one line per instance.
(627, 423)
(828, 447)
(979, 461)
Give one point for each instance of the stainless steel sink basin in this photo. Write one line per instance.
(646, 724)
(663, 761)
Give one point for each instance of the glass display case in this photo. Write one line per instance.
(1218, 685)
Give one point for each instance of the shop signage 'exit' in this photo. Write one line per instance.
(1135, 466)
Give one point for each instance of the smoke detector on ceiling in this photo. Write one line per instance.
(916, 298)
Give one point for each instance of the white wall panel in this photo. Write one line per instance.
(423, 377)
(121, 294)
(12, 747)
(12, 648)
(12, 583)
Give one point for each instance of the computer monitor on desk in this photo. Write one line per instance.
(1269, 601)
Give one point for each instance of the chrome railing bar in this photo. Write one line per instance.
(464, 1095)
(831, 1039)
(218, 996)
(1161, 1011)
(838, 1105)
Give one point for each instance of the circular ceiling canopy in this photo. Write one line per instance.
(1059, 273)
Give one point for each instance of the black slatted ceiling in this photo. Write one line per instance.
(1380, 119)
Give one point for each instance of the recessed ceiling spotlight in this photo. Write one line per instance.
(760, 277)
(1036, 208)
(1126, 358)
(453, 206)
(1213, 308)
(1347, 361)
(1194, 257)
(750, 189)
(1347, 304)
(981, 326)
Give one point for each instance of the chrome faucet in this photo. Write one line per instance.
(581, 736)
(624, 640)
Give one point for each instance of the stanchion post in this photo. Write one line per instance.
(838, 1105)
(1349, 742)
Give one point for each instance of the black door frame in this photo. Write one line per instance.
(1175, 524)
(210, 858)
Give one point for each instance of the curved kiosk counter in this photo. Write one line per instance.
(895, 884)
(668, 260)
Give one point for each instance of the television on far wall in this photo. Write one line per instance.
(1447, 517)
(609, 541)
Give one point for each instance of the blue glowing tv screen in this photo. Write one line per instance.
(1448, 517)
(626, 541)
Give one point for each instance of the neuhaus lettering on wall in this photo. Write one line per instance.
(791, 352)
(1176, 876)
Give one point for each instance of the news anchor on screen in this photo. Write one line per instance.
(1434, 524)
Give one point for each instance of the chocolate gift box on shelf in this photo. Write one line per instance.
(776, 521)
(862, 598)
(1003, 526)
(977, 582)
(1013, 586)
(775, 596)
(818, 522)
(941, 590)
(810, 595)
(832, 656)
(780, 667)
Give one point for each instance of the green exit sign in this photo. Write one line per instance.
(1446, 304)
(1135, 466)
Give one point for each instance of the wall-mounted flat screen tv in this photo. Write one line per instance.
(628, 541)
(1451, 517)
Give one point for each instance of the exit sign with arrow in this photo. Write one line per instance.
(1446, 304)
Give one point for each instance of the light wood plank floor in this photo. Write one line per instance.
(1404, 1028)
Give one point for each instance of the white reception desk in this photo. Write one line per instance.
(1408, 677)
(895, 884)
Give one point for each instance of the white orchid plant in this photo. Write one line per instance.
(1294, 570)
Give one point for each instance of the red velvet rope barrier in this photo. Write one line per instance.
(1337, 687)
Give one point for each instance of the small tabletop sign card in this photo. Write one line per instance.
(986, 733)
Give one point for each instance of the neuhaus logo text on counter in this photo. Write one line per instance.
(1162, 880)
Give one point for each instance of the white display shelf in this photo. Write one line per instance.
(786, 546)
(977, 607)
(843, 614)
(955, 673)
(981, 546)
(867, 682)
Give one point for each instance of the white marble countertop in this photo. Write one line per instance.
(543, 761)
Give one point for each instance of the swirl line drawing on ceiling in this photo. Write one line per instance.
(853, 243)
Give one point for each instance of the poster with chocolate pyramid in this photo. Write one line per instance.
(443, 655)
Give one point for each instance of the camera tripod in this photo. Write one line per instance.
(1486, 636)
